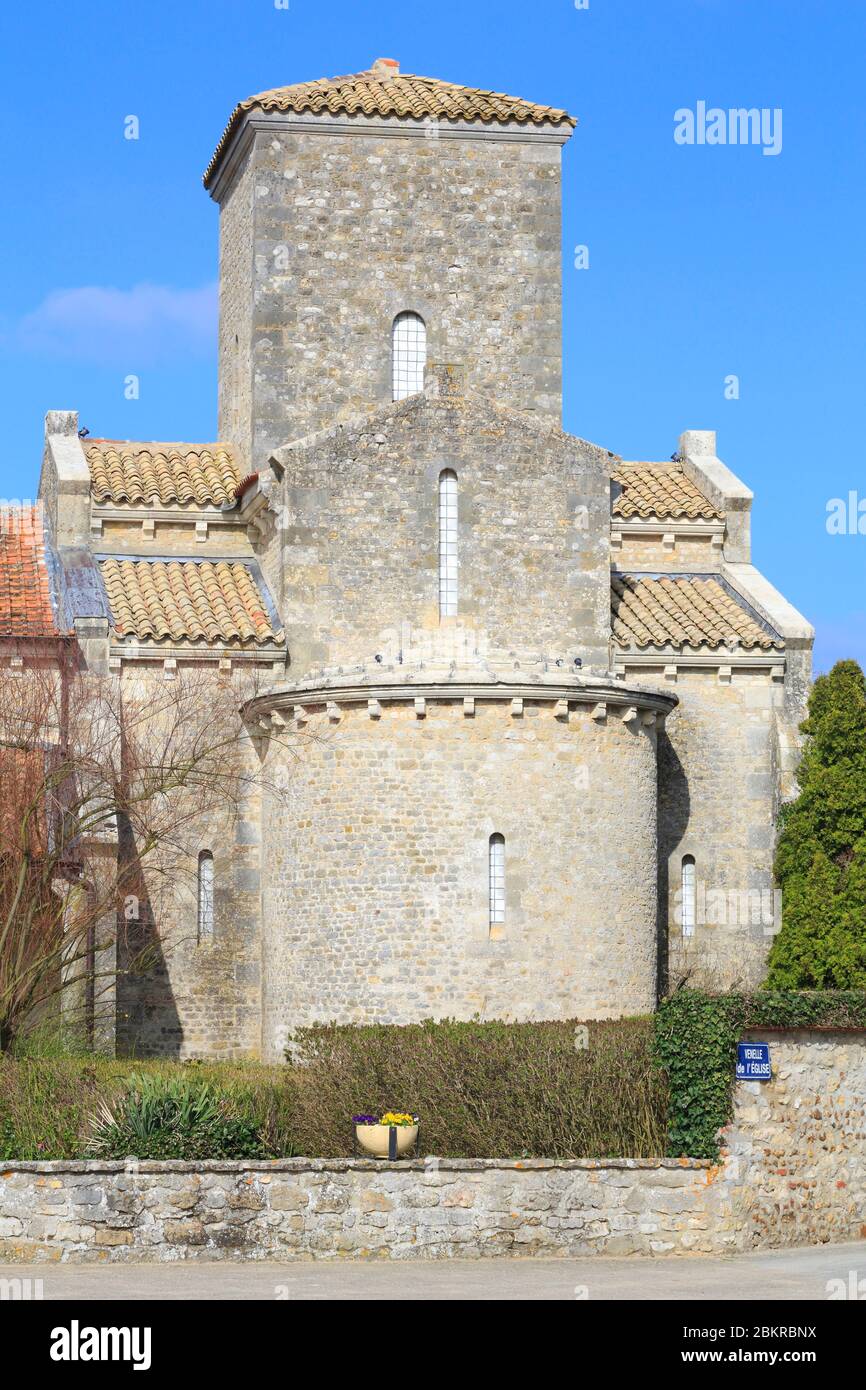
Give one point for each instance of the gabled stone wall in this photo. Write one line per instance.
(361, 534)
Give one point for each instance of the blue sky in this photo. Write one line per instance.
(705, 261)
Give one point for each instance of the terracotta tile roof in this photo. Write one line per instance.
(187, 600)
(26, 609)
(659, 489)
(385, 91)
(122, 470)
(682, 611)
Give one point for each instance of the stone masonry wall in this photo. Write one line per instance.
(650, 554)
(175, 537)
(375, 903)
(797, 1145)
(199, 998)
(236, 288)
(718, 796)
(321, 1209)
(347, 231)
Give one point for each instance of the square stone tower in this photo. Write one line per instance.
(347, 202)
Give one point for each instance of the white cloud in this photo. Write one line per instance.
(126, 329)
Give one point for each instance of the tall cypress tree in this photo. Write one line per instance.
(821, 854)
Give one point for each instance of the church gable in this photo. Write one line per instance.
(445, 395)
(364, 525)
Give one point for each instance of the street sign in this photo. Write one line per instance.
(753, 1061)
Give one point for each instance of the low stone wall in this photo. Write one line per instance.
(320, 1208)
(794, 1173)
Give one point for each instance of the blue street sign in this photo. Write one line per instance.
(753, 1062)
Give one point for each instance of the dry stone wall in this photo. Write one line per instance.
(303, 1209)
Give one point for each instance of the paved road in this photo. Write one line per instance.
(785, 1274)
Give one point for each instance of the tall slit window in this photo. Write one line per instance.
(688, 895)
(205, 895)
(408, 355)
(448, 544)
(496, 880)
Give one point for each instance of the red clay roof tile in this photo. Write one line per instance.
(26, 609)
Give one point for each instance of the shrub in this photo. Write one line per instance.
(696, 1037)
(481, 1090)
(485, 1090)
(43, 1106)
(47, 1106)
(159, 1117)
(821, 854)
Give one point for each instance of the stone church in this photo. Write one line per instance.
(550, 706)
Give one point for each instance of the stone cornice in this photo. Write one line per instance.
(673, 659)
(141, 652)
(266, 1167)
(391, 127)
(658, 525)
(340, 692)
(212, 515)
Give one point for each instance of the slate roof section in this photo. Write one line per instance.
(215, 601)
(123, 470)
(663, 490)
(26, 606)
(698, 611)
(385, 91)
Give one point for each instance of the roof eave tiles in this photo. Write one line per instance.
(406, 96)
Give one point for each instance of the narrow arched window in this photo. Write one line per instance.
(496, 883)
(408, 355)
(689, 887)
(448, 544)
(205, 895)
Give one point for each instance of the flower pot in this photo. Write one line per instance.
(373, 1139)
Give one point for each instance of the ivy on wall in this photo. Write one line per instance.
(696, 1036)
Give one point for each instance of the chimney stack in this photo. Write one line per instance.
(385, 67)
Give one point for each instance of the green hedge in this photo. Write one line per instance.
(696, 1038)
(555, 1089)
(638, 1088)
(481, 1089)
